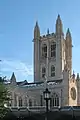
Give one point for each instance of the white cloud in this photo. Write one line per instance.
(18, 67)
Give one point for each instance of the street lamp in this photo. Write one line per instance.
(46, 95)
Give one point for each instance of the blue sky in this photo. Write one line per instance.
(17, 21)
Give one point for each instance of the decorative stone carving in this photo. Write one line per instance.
(73, 93)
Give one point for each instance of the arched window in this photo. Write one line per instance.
(55, 100)
(52, 71)
(30, 102)
(44, 51)
(53, 49)
(15, 100)
(43, 72)
(20, 102)
(41, 101)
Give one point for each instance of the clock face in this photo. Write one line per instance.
(73, 93)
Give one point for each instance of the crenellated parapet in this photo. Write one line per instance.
(48, 36)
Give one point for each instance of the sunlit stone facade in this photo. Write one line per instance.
(52, 62)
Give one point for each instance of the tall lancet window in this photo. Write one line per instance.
(15, 100)
(41, 100)
(43, 72)
(30, 102)
(55, 100)
(53, 49)
(52, 71)
(20, 102)
(44, 51)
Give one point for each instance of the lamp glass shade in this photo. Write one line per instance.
(46, 94)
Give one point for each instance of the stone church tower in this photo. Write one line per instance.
(52, 61)
(52, 53)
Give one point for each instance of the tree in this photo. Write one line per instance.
(4, 98)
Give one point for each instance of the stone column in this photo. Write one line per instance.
(23, 101)
(27, 101)
(61, 99)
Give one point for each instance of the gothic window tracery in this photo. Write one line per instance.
(44, 51)
(55, 100)
(52, 71)
(43, 72)
(53, 49)
(20, 102)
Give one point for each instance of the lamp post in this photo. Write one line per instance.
(46, 94)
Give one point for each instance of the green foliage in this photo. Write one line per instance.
(4, 98)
